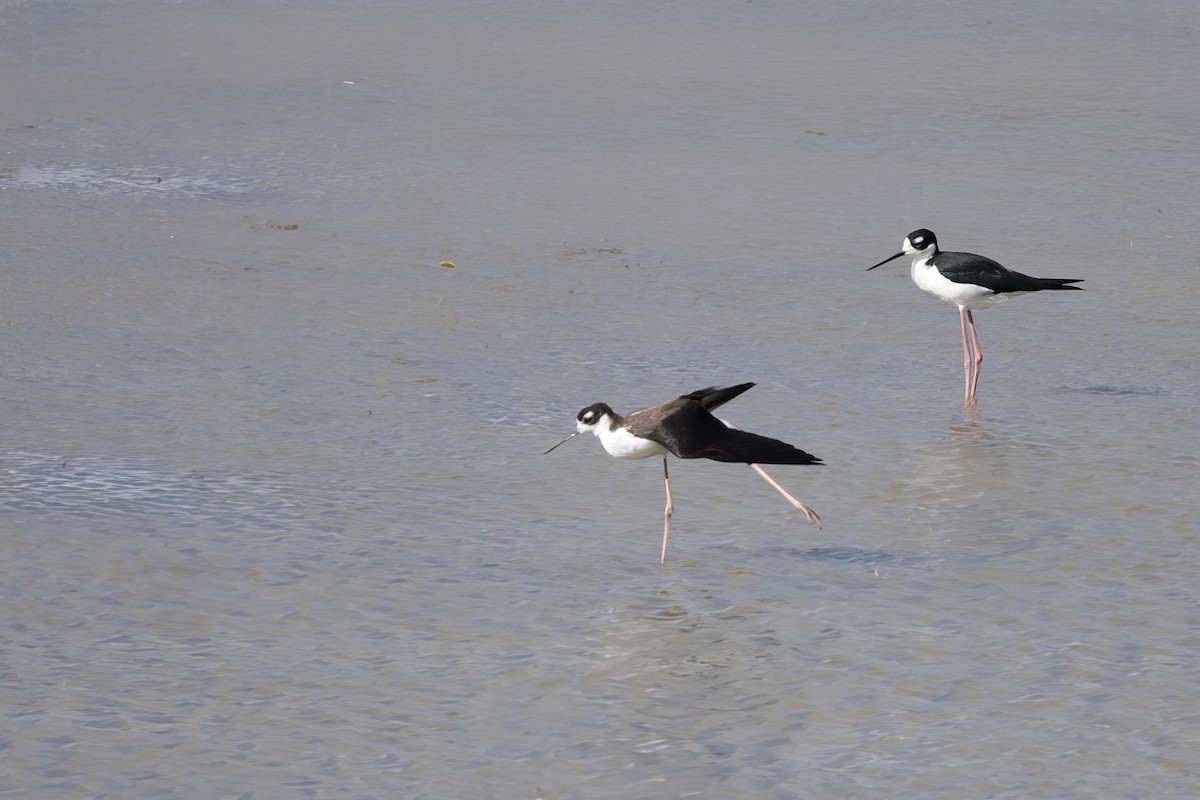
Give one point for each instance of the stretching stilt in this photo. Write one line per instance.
(808, 512)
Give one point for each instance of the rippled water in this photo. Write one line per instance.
(275, 514)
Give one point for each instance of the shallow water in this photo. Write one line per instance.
(276, 517)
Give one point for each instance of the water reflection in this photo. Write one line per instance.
(986, 484)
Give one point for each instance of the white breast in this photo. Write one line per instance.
(963, 295)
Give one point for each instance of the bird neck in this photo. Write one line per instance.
(921, 263)
(605, 426)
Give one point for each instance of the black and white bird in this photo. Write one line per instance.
(967, 281)
(686, 428)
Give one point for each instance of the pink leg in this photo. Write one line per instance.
(666, 512)
(808, 512)
(978, 357)
(963, 315)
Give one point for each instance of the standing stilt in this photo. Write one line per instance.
(967, 281)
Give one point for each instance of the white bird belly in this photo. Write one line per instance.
(620, 443)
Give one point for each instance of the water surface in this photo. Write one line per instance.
(275, 514)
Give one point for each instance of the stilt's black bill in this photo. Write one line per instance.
(564, 441)
(886, 260)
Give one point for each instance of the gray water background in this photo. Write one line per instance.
(275, 518)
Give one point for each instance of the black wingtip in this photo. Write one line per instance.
(712, 397)
(1060, 283)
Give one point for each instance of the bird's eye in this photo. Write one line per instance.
(589, 416)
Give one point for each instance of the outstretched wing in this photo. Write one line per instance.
(750, 448)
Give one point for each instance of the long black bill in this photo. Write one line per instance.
(564, 441)
(886, 260)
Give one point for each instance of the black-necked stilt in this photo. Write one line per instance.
(685, 428)
(967, 281)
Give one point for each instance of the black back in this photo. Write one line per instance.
(683, 426)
